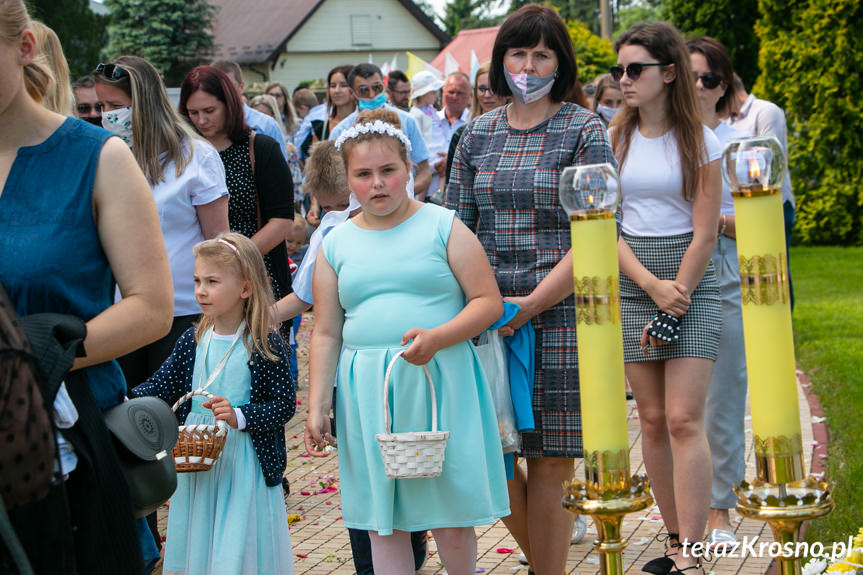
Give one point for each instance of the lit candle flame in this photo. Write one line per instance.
(590, 198)
(754, 170)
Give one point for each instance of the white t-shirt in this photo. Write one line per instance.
(725, 134)
(202, 182)
(652, 185)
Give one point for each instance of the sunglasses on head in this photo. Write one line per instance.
(375, 89)
(633, 71)
(708, 80)
(112, 71)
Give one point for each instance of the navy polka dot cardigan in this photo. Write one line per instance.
(272, 402)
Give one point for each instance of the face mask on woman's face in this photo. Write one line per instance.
(119, 123)
(606, 112)
(527, 88)
(372, 103)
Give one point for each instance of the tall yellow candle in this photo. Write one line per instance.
(767, 333)
(600, 337)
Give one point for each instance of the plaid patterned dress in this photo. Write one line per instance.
(503, 186)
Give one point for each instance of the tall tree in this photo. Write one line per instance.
(811, 57)
(81, 31)
(174, 35)
(732, 22)
(467, 14)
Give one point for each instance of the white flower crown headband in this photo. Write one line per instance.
(376, 127)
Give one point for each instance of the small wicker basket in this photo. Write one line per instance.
(413, 453)
(198, 446)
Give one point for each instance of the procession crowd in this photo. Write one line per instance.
(412, 215)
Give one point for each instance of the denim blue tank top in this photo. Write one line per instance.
(51, 259)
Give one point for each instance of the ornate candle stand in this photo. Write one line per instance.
(781, 496)
(589, 195)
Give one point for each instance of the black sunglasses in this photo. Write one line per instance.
(709, 80)
(633, 71)
(85, 108)
(375, 89)
(112, 71)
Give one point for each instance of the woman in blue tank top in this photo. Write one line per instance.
(75, 209)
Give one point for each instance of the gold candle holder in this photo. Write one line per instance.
(782, 495)
(589, 195)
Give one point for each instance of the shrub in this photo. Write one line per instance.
(593, 54)
(810, 59)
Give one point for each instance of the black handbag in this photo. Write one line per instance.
(145, 432)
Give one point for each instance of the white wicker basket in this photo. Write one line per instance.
(412, 453)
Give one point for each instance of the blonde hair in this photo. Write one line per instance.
(37, 74)
(59, 97)
(236, 252)
(269, 102)
(156, 125)
(290, 115)
(369, 116)
(475, 106)
(325, 172)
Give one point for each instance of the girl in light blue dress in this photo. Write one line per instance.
(427, 290)
(231, 519)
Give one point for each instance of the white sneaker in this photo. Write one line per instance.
(522, 558)
(579, 529)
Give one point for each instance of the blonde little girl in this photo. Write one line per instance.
(231, 519)
(427, 291)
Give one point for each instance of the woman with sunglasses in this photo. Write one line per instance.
(187, 180)
(726, 395)
(504, 186)
(669, 175)
(75, 209)
(261, 204)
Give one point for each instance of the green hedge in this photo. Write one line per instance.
(811, 63)
(593, 54)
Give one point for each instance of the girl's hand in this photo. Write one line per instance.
(524, 315)
(670, 296)
(423, 347)
(223, 410)
(318, 435)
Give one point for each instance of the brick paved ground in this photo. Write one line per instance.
(321, 545)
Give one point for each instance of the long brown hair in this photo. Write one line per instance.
(237, 253)
(156, 126)
(663, 42)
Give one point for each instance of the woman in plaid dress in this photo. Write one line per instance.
(504, 186)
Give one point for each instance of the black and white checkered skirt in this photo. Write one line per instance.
(700, 326)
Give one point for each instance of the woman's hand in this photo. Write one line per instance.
(524, 315)
(648, 341)
(223, 410)
(423, 347)
(670, 296)
(318, 435)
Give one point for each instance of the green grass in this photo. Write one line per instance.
(828, 337)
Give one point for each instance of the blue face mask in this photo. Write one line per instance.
(372, 103)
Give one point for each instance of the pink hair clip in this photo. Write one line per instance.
(230, 245)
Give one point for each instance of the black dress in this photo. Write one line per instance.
(270, 189)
